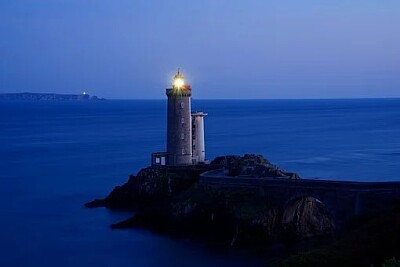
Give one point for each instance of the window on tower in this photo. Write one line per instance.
(182, 105)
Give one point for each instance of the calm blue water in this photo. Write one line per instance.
(56, 156)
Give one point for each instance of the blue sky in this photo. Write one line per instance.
(226, 48)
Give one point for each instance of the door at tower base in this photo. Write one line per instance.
(198, 143)
(158, 158)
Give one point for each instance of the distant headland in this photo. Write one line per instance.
(27, 96)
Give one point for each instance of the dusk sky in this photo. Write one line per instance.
(130, 49)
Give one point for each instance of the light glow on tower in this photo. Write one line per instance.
(179, 80)
(178, 83)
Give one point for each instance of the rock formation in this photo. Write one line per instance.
(307, 217)
(170, 199)
(251, 165)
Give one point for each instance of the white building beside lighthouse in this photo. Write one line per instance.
(185, 130)
(198, 143)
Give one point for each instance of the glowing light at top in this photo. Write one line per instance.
(179, 80)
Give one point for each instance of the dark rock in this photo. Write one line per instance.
(153, 184)
(374, 240)
(170, 200)
(96, 203)
(235, 216)
(150, 220)
(307, 217)
(252, 165)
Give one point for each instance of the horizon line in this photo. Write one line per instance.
(316, 98)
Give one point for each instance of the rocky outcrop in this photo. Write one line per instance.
(369, 240)
(150, 185)
(232, 216)
(306, 217)
(170, 199)
(251, 165)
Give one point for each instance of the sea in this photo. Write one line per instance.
(55, 156)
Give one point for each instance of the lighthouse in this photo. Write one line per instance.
(179, 130)
(185, 130)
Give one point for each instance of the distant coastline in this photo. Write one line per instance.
(27, 96)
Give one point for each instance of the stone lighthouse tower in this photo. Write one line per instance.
(179, 130)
